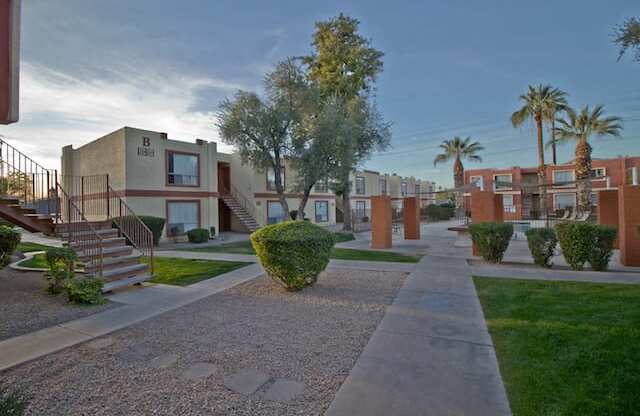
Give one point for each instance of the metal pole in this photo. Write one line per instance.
(108, 200)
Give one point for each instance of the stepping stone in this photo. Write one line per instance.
(283, 390)
(163, 361)
(199, 371)
(246, 381)
(101, 343)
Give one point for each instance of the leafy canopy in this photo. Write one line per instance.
(458, 148)
(627, 36)
(581, 126)
(541, 102)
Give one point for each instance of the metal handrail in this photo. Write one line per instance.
(242, 200)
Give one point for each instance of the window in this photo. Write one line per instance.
(360, 185)
(563, 201)
(322, 211)
(271, 179)
(504, 181)
(417, 190)
(275, 213)
(477, 181)
(183, 169)
(182, 216)
(594, 199)
(361, 209)
(321, 186)
(563, 178)
(598, 173)
(383, 186)
(403, 188)
(507, 203)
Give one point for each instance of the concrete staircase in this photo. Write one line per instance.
(243, 215)
(13, 211)
(121, 263)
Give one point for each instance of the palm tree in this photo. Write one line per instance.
(580, 127)
(557, 104)
(458, 149)
(538, 103)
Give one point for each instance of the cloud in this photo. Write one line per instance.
(58, 108)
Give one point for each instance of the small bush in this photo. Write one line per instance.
(294, 252)
(198, 235)
(62, 265)
(85, 291)
(542, 244)
(155, 224)
(9, 240)
(491, 239)
(575, 239)
(341, 237)
(12, 403)
(602, 247)
(6, 223)
(435, 212)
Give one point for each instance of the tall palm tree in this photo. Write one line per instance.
(538, 103)
(557, 104)
(580, 127)
(458, 149)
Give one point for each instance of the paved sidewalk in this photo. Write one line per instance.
(140, 304)
(479, 268)
(431, 354)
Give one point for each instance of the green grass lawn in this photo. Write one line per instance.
(244, 247)
(565, 348)
(38, 261)
(27, 247)
(183, 272)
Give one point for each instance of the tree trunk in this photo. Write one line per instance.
(583, 170)
(303, 202)
(554, 149)
(277, 170)
(542, 182)
(458, 182)
(346, 210)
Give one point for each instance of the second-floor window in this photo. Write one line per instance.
(383, 186)
(183, 169)
(360, 185)
(503, 181)
(417, 190)
(563, 177)
(403, 188)
(598, 173)
(271, 179)
(477, 181)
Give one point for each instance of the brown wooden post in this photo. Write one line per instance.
(411, 217)
(629, 220)
(608, 210)
(380, 221)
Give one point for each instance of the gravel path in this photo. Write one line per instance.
(312, 337)
(25, 307)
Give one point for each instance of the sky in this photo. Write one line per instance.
(451, 68)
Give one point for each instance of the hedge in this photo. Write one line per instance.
(9, 240)
(586, 242)
(542, 244)
(293, 253)
(198, 235)
(491, 239)
(436, 212)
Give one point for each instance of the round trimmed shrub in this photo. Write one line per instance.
(155, 224)
(9, 240)
(575, 239)
(293, 253)
(602, 247)
(542, 244)
(491, 239)
(198, 235)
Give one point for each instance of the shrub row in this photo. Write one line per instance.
(586, 243)
(293, 253)
(491, 239)
(9, 240)
(198, 235)
(436, 212)
(542, 244)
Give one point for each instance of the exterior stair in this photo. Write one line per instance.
(121, 264)
(243, 215)
(13, 211)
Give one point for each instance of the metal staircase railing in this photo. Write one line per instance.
(244, 202)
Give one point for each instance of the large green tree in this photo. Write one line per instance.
(345, 67)
(537, 104)
(580, 127)
(458, 149)
(627, 36)
(262, 130)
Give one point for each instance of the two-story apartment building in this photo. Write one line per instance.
(521, 193)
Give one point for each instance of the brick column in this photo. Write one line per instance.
(380, 221)
(411, 218)
(608, 210)
(485, 207)
(629, 219)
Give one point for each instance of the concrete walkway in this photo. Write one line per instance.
(431, 354)
(140, 303)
